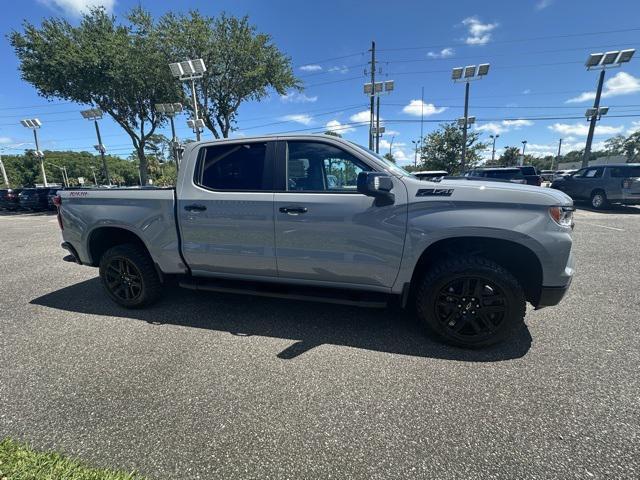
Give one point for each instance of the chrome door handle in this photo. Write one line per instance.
(293, 210)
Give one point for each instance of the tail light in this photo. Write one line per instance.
(57, 201)
(627, 182)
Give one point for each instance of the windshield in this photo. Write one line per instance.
(388, 163)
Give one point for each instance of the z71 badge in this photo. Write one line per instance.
(434, 192)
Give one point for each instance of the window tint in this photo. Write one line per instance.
(233, 167)
(528, 171)
(504, 174)
(593, 173)
(625, 172)
(313, 166)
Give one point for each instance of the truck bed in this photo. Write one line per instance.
(149, 213)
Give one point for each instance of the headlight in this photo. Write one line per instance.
(563, 216)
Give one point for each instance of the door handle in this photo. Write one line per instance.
(195, 208)
(293, 210)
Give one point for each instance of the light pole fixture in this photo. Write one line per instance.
(466, 122)
(493, 150)
(171, 110)
(467, 75)
(95, 114)
(602, 61)
(34, 124)
(596, 112)
(190, 71)
(374, 90)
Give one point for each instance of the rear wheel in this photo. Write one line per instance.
(129, 276)
(470, 302)
(599, 200)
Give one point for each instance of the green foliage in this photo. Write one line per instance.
(242, 64)
(24, 170)
(627, 146)
(442, 149)
(509, 157)
(19, 461)
(118, 67)
(389, 156)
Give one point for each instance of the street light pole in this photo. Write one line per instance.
(34, 124)
(524, 146)
(95, 114)
(190, 70)
(612, 59)
(93, 170)
(493, 151)
(170, 110)
(4, 172)
(592, 123)
(464, 131)
(558, 156)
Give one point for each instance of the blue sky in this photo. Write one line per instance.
(536, 49)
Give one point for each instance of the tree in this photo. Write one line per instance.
(509, 157)
(442, 149)
(389, 156)
(119, 68)
(332, 133)
(242, 64)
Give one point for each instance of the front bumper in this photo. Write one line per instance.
(550, 296)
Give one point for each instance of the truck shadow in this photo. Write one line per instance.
(612, 209)
(308, 324)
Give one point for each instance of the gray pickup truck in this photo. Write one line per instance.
(321, 218)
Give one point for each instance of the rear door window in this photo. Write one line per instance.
(593, 173)
(234, 167)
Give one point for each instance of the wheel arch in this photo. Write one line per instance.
(518, 259)
(103, 238)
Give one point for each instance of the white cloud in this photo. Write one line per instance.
(517, 124)
(6, 140)
(635, 126)
(542, 4)
(361, 117)
(582, 129)
(492, 127)
(336, 126)
(478, 33)
(417, 107)
(297, 97)
(620, 84)
(391, 133)
(78, 7)
(339, 69)
(504, 126)
(526, 91)
(302, 118)
(310, 68)
(444, 53)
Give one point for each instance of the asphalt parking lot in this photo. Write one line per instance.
(222, 386)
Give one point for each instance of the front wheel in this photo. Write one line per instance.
(470, 302)
(599, 200)
(129, 276)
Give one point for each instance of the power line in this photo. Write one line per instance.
(531, 39)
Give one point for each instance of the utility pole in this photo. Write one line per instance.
(558, 156)
(373, 92)
(592, 123)
(378, 133)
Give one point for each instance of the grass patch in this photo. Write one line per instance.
(19, 462)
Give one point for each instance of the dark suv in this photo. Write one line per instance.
(531, 175)
(603, 184)
(9, 198)
(509, 174)
(35, 198)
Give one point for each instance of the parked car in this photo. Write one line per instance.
(9, 198)
(53, 192)
(259, 216)
(35, 198)
(602, 185)
(510, 174)
(430, 174)
(531, 175)
(547, 175)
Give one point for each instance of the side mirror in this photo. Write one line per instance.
(376, 184)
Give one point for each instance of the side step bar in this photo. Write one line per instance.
(291, 292)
